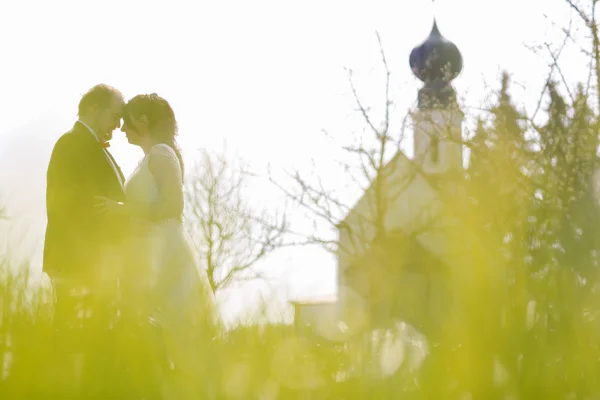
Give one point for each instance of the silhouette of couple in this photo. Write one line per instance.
(119, 243)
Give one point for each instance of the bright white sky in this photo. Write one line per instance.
(264, 76)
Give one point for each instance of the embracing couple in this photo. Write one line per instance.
(119, 244)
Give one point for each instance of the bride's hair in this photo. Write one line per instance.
(160, 116)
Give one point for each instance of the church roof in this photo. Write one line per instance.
(436, 182)
(432, 179)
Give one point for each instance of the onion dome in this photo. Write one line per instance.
(436, 58)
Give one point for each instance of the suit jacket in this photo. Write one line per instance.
(76, 234)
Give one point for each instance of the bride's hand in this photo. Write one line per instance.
(106, 206)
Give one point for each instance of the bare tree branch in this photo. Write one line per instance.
(231, 236)
(579, 11)
(589, 19)
(374, 171)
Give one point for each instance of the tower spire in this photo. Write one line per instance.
(436, 62)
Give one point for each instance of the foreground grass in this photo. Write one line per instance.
(39, 357)
(38, 360)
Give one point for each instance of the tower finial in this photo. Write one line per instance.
(435, 27)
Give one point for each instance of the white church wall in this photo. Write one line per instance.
(414, 206)
(446, 126)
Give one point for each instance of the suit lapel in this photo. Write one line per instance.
(116, 166)
(99, 156)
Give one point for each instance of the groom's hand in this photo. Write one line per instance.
(106, 206)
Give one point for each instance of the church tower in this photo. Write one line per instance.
(438, 119)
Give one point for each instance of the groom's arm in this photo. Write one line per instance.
(68, 194)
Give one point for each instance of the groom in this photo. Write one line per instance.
(79, 241)
(80, 168)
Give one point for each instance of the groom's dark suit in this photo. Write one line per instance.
(77, 236)
(78, 240)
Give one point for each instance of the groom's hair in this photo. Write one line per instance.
(100, 95)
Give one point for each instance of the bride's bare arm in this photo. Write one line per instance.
(166, 170)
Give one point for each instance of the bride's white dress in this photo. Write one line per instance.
(162, 279)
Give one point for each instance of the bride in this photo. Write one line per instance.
(161, 282)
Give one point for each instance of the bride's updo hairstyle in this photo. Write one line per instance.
(160, 119)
